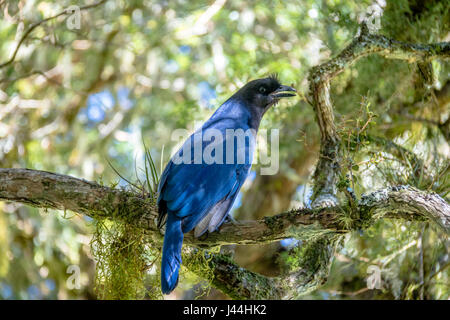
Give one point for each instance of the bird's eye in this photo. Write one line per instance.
(262, 90)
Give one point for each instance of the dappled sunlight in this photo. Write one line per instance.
(113, 99)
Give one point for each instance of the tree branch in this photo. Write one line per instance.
(323, 225)
(365, 43)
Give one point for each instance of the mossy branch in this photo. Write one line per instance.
(49, 190)
(364, 44)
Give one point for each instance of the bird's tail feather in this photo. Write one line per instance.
(171, 257)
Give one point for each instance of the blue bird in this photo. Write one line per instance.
(201, 181)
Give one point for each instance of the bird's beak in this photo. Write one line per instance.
(283, 92)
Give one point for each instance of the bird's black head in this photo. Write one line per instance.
(263, 93)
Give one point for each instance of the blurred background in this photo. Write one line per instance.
(74, 97)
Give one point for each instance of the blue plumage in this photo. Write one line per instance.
(196, 192)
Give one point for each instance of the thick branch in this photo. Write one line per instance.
(407, 157)
(48, 190)
(324, 224)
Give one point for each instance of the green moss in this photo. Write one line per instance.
(251, 285)
(202, 262)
